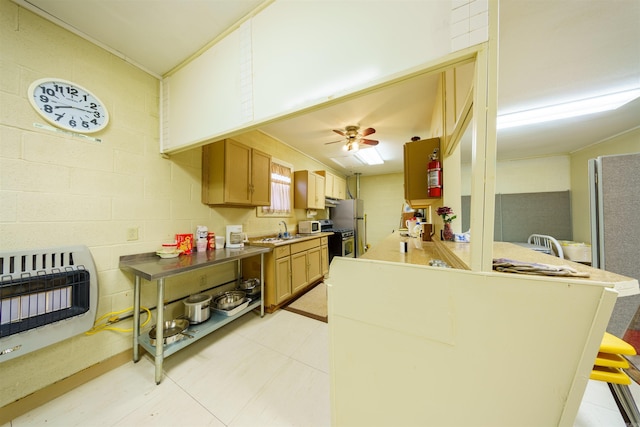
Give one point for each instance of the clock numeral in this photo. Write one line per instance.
(72, 91)
(85, 124)
(48, 91)
(95, 122)
(96, 114)
(59, 116)
(48, 108)
(44, 99)
(93, 105)
(73, 123)
(59, 88)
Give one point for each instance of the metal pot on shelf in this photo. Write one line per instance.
(250, 286)
(197, 308)
(173, 330)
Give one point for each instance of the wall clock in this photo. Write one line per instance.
(68, 105)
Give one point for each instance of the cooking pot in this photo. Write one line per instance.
(250, 286)
(172, 331)
(196, 308)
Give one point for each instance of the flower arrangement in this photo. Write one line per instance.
(446, 213)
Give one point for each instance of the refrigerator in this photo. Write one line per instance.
(614, 196)
(350, 214)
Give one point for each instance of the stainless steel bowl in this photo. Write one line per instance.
(229, 300)
(250, 286)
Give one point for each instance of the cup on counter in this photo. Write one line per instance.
(219, 242)
(201, 244)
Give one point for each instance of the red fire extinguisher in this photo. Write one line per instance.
(434, 176)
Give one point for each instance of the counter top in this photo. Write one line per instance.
(282, 242)
(458, 255)
(151, 267)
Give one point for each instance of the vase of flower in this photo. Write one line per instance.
(447, 233)
(447, 216)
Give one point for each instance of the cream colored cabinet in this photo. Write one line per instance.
(235, 174)
(335, 186)
(324, 254)
(309, 190)
(417, 155)
(299, 272)
(283, 279)
(290, 269)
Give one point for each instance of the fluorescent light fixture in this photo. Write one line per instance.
(370, 156)
(570, 109)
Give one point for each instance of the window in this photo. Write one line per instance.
(281, 191)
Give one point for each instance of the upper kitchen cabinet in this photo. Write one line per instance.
(209, 95)
(235, 174)
(335, 187)
(309, 190)
(417, 155)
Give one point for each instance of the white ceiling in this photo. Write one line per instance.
(550, 52)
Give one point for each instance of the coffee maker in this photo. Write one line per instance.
(235, 236)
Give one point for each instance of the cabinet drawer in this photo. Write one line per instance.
(304, 246)
(324, 240)
(281, 251)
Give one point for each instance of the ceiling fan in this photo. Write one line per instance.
(355, 139)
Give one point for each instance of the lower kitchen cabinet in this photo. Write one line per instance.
(292, 268)
(324, 255)
(281, 274)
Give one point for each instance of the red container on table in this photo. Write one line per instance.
(211, 241)
(185, 242)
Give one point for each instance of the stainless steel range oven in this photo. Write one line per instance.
(342, 243)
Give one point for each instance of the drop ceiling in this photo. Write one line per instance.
(550, 52)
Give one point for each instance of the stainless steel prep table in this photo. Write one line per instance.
(151, 267)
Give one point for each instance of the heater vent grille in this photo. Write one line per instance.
(46, 296)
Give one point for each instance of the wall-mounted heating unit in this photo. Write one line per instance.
(46, 296)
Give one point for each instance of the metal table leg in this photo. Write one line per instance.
(136, 318)
(160, 331)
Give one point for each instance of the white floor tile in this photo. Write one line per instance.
(297, 396)
(282, 331)
(314, 351)
(235, 372)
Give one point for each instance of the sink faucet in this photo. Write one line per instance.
(286, 232)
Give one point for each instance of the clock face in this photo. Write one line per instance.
(68, 106)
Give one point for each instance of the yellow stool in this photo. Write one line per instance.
(608, 367)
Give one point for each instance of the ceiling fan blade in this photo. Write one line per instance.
(369, 142)
(368, 131)
(339, 132)
(333, 142)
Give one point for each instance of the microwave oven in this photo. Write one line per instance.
(308, 227)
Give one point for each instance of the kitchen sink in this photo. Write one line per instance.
(279, 239)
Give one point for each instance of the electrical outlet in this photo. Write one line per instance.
(132, 233)
(203, 281)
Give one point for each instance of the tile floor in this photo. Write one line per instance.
(252, 372)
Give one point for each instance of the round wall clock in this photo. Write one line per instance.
(68, 105)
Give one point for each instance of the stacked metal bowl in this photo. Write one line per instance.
(250, 286)
(229, 300)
